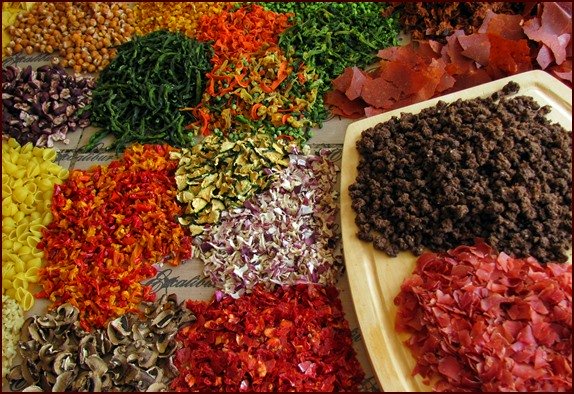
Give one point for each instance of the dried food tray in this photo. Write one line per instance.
(374, 277)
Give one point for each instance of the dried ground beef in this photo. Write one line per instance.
(493, 168)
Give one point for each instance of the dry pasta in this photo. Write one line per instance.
(29, 174)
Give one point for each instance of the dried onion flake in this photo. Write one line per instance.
(283, 236)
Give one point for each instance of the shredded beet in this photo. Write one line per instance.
(293, 339)
(484, 321)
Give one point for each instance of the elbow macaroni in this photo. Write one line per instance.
(28, 177)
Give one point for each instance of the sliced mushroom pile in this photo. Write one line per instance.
(133, 353)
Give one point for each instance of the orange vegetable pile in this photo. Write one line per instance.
(246, 30)
(111, 224)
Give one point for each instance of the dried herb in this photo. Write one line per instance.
(138, 96)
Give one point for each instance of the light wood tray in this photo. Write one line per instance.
(374, 277)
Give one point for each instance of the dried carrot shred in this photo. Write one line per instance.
(245, 30)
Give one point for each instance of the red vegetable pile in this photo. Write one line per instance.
(111, 224)
(485, 321)
(293, 339)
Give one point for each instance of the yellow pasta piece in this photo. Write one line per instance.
(17, 245)
(47, 218)
(20, 173)
(19, 194)
(49, 154)
(6, 285)
(18, 217)
(8, 224)
(19, 265)
(8, 271)
(9, 167)
(7, 243)
(12, 143)
(25, 253)
(45, 184)
(32, 241)
(34, 263)
(20, 281)
(25, 298)
(35, 217)
(32, 275)
(30, 199)
(22, 232)
(26, 148)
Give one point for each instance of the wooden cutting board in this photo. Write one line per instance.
(374, 277)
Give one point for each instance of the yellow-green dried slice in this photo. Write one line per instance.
(219, 174)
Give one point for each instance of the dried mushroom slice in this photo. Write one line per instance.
(132, 353)
(219, 174)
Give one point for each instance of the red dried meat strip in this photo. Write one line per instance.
(351, 82)
(476, 47)
(508, 57)
(485, 321)
(358, 79)
(563, 71)
(406, 75)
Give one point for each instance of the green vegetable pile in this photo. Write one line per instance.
(332, 36)
(138, 97)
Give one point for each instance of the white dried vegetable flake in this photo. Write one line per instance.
(286, 235)
(12, 320)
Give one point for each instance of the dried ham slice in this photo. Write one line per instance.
(475, 47)
(562, 71)
(485, 321)
(508, 57)
(342, 106)
(358, 79)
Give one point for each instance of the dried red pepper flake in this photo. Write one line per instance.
(111, 224)
(294, 338)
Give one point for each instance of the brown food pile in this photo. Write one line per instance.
(132, 353)
(494, 168)
(437, 20)
(483, 321)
